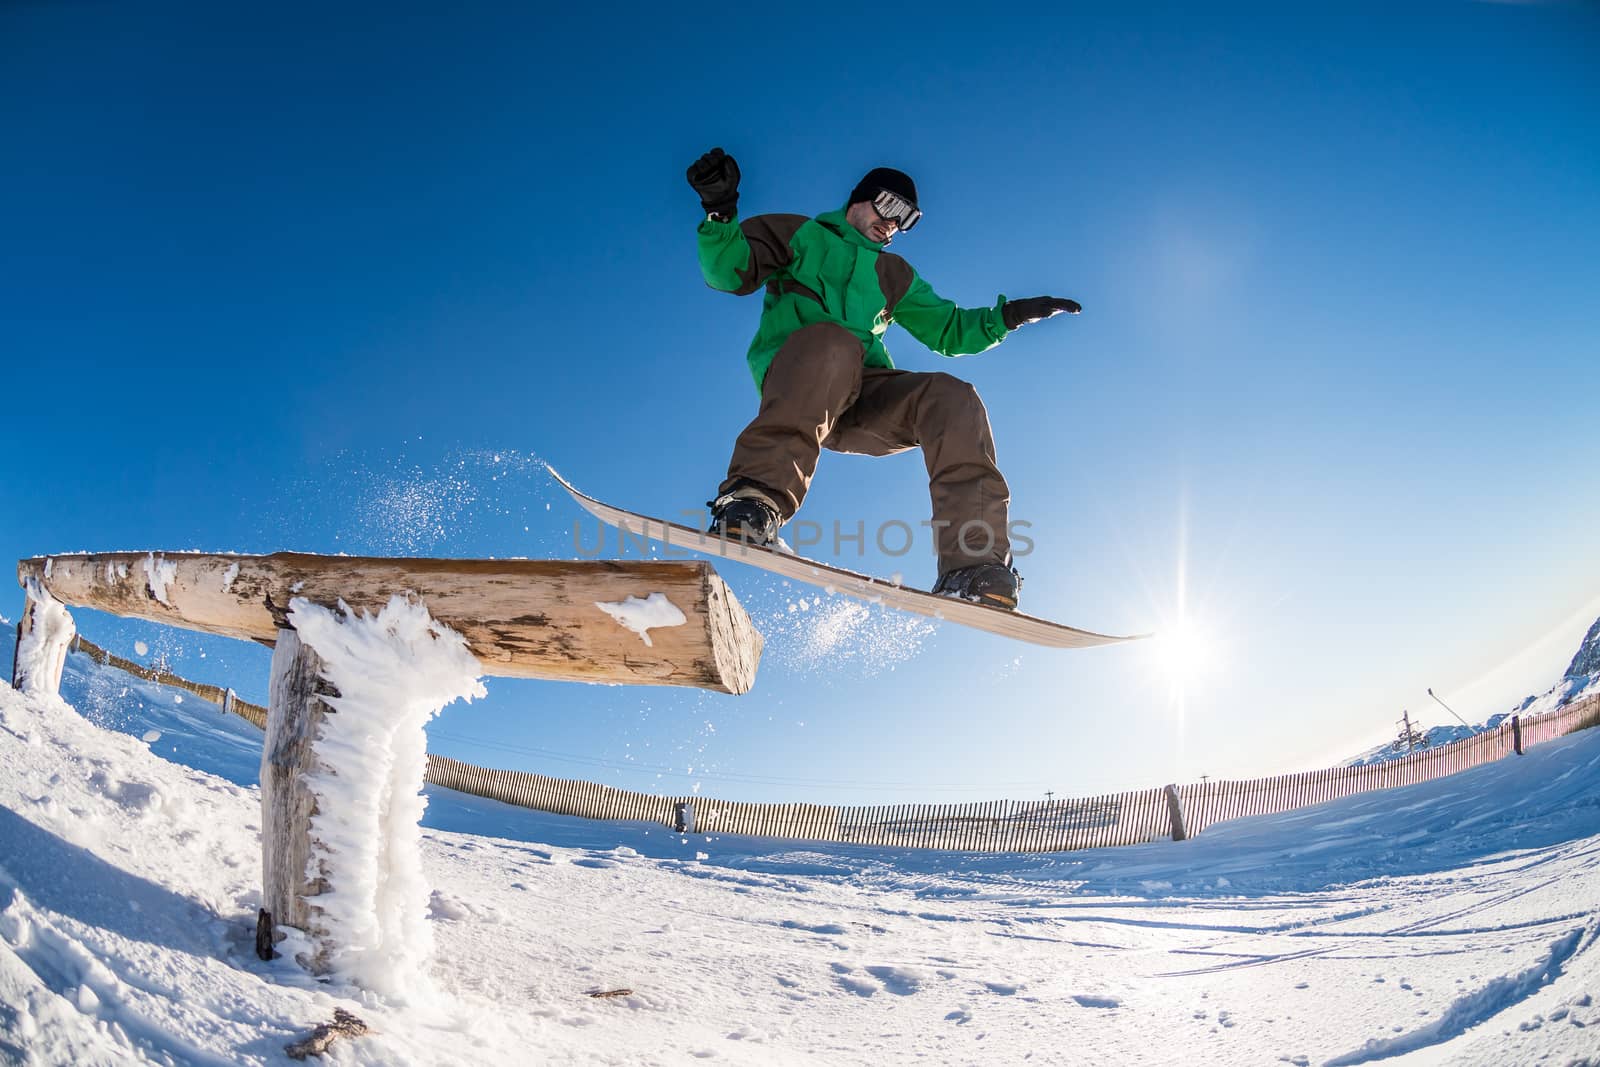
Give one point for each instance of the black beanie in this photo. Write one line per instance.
(897, 182)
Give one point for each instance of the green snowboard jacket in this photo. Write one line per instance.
(825, 270)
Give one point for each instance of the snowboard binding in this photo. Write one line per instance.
(744, 515)
(994, 584)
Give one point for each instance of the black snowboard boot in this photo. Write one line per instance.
(994, 584)
(744, 515)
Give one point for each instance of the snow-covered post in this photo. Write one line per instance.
(44, 634)
(341, 784)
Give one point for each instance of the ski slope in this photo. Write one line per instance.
(1451, 922)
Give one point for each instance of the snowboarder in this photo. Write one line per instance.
(826, 380)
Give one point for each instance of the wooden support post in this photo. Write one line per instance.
(44, 636)
(16, 653)
(1175, 813)
(294, 716)
(1516, 733)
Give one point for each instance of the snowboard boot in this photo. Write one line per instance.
(746, 514)
(994, 584)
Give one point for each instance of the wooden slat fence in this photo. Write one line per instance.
(987, 826)
(223, 698)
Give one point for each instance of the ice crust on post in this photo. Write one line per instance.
(42, 651)
(394, 671)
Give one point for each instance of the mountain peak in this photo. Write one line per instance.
(1587, 661)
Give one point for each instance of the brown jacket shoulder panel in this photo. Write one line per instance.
(894, 278)
(768, 237)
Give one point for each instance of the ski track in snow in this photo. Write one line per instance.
(1451, 922)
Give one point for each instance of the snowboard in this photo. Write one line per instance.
(1012, 624)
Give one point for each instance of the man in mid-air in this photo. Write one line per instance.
(826, 380)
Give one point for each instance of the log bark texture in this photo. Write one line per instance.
(521, 618)
(288, 755)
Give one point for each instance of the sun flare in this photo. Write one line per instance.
(1187, 651)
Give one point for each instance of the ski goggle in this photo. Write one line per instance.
(896, 209)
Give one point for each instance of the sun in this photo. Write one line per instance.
(1190, 650)
(1186, 651)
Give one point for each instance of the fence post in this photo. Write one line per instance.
(227, 701)
(1175, 814)
(1516, 733)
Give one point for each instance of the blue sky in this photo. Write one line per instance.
(334, 280)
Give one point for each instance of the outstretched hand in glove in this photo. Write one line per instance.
(715, 176)
(1032, 309)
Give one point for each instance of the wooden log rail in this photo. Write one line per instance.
(521, 618)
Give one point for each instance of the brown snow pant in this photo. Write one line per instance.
(818, 395)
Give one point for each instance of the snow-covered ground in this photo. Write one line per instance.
(1451, 922)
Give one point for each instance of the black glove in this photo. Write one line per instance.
(715, 176)
(1021, 312)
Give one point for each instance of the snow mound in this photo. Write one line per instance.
(1453, 921)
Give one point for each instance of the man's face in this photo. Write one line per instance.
(871, 225)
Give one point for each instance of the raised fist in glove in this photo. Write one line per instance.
(1021, 312)
(715, 176)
